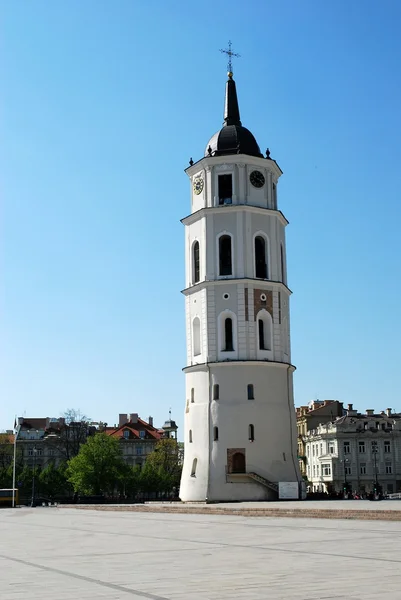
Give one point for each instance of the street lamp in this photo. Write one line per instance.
(33, 477)
(345, 461)
(374, 452)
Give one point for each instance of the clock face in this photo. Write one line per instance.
(257, 179)
(198, 185)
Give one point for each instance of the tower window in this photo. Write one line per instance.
(225, 189)
(228, 335)
(194, 464)
(251, 395)
(264, 331)
(225, 258)
(190, 436)
(216, 391)
(215, 434)
(260, 257)
(274, 196)
(195, 263)
(192, 394)
(251, 433)
(196, 336)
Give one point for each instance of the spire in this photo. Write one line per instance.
(231, 108)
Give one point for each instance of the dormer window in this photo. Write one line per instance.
(126, 434)
(142, 434)
(225, 189)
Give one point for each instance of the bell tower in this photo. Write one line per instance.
(240, 432)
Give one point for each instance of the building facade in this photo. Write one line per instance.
(240, 432)
(355, 453)
(309, 417)
(138, 438)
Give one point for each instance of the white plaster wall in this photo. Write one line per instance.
(273, 454)
(196, 420)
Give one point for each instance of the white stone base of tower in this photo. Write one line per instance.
(255, 437)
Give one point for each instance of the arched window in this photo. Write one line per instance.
(194, 463)
(216, 391)
(260, 257)
(264, 330)
(192, 394)
(228, 335)
(282, 263)
(190, 436)
(225, 255)
(196, 336)
(195, 263)
(250, 392)
(215, 434)
(251, 433)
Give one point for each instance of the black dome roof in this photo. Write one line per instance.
(232, 138)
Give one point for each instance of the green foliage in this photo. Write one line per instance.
(52, 481)
(162, 470)
(98, 467)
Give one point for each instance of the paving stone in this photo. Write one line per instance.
(63, 553)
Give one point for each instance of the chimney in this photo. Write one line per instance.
(133, 418)
(122, 419)
(388, 411)
(150, 421)
(350, 407)
(370, 412)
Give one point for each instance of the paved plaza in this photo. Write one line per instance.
(64, 553)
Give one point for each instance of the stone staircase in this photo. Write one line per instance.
(262, 480)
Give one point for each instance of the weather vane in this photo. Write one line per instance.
(230, 54)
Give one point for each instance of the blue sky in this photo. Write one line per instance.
(102, 105)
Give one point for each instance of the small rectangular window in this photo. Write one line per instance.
(251, 392)
(362, 468)
(142, 434)
(225, 189)
(362, 447)
(216, 391)
(347, 449)
(215, 434)
(387, 447)
(389, 469)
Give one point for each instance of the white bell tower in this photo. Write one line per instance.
(240, 431)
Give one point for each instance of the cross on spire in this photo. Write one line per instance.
(230, 54)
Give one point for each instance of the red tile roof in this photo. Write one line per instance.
(134, 429)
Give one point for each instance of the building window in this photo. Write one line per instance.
(347, 448)
(250, 388)
(216, 391)
(225, 255)
(317, 470)
(139, 450)
(196, 336)
(387, 447)
(390, 488)
(321, 449)
(362, 468)
(260, 257)
(326, 470)
(192, 394)
(126, 434)
(142, 434)
(331, 447)
(251, 433)
(347, 470)
(264, 330)
(283, 279)
(190, 436)
(228, 335)
(225, 189)
(361, 447)
(195, 263)
(215, 434)
(314, 470)
(313, 450)
(388, 469)
(193, 471)
(307, 450)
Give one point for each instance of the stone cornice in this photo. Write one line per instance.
(234, 159)
(192, 218)
(261, 283)
(247, 363)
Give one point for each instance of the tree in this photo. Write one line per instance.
(53, 481)
(98, 467)
(164, 465)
